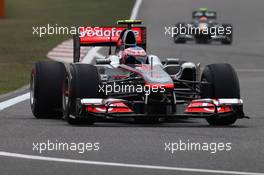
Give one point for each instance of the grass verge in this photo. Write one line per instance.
(19, 48)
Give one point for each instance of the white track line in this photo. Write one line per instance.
(136, 7)
(89, 58)
(127, 165)
(13, 101)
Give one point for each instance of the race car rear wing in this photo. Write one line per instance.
(104, 36)
(107, 36)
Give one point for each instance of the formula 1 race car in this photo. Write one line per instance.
(132, 85)
(203, 29)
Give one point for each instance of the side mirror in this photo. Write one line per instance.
(172, 61)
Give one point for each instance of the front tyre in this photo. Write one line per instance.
(222, 83)
(178, 39)
(228, 33)
(83, 83)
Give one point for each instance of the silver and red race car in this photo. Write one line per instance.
(131, 85)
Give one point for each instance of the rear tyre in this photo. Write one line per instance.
(76, 48)
(83, 84)
(176, 37)
(228, 34)
(179, 41)
(45, 89)
(223, 83)
(200, 40)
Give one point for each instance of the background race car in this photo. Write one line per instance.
(203, 29)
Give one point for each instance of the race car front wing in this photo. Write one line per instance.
(120, 109)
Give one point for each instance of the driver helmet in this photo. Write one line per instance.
(203, 19)
(134, 55)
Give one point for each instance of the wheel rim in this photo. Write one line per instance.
(32, 89)
(65, 95)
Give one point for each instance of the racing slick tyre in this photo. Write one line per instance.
(76, 48)
(223, 83)
(229, 35)
(176, 37)
(45, 89)
(202, 39)
(83, 83)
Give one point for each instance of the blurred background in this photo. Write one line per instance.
(19, 48)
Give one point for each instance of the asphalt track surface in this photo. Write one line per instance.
(144, 144)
